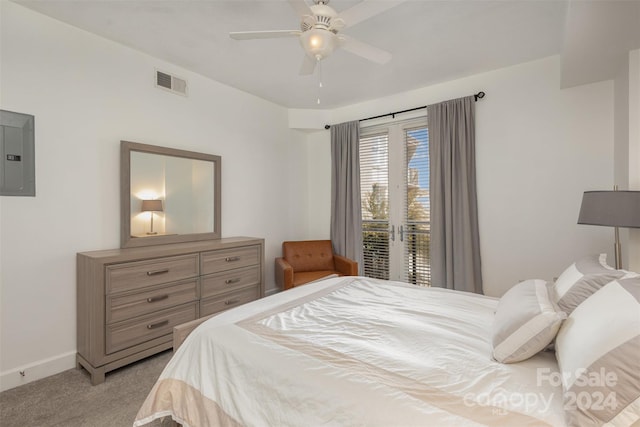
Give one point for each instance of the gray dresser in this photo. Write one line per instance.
(129, 300)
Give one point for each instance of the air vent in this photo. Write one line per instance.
(171, 83)
(163, 80)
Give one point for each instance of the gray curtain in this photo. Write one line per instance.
(455, 242)
(346, 209)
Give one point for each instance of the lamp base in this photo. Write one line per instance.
(617, 250)
(151, 232)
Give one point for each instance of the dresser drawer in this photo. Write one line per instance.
(226, 259)
(123, 307)
(137, 275)
(127, 334)
(229, 300)
(229, 280)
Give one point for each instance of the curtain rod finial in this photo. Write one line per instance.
(327, 126)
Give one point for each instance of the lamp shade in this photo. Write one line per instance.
(610, 208)
(151, 205)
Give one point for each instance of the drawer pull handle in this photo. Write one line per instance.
(156, 272)
(231, 301)
(230, 281)
(158, 324)
(232, 258)
(158, 298)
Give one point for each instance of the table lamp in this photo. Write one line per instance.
(151, 206)
(612, 209)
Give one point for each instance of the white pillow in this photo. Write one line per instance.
(581, 279)
(526, 321)
(598, 351)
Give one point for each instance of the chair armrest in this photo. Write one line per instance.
(345, 265)
(284, 274)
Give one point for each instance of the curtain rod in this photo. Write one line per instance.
(476, 96)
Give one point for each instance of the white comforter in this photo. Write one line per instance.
(353, 352)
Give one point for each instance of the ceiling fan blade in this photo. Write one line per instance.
(308, 65)
(301, 7)
(249, 35)
(367, 9)
(364, 50)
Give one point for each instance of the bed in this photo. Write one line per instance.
(354, 351)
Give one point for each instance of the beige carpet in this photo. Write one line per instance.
(69, 399)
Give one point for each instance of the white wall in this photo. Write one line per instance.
(633, 250)
(319, 180)
(627, 147)
(538, 149)
(621, 144)
(87, 94)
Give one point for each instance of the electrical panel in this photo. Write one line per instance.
(17, 151)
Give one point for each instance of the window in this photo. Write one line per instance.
(394, 179)
(374, 190)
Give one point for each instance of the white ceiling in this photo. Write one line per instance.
(431, 42)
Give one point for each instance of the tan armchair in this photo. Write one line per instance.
(305, 261)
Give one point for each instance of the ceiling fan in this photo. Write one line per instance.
(320, 27)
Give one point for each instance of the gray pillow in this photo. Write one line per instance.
(526, 321)
(581, 279)
(598, 352)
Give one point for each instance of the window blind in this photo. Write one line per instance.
(374, 190)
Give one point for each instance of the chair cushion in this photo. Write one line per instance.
(310, 276)
(309, 255)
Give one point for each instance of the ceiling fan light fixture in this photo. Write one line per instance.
(318, 43)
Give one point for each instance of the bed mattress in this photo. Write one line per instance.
(354, 352)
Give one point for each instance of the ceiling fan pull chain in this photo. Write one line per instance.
(318, 58)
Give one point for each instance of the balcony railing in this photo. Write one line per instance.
(416, 237)
(375, 248)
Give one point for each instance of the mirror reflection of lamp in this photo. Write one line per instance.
(152, 206)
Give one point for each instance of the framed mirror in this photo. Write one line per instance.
(168, 195)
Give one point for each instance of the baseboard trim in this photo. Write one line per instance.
(37, 370)
(271, 291)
